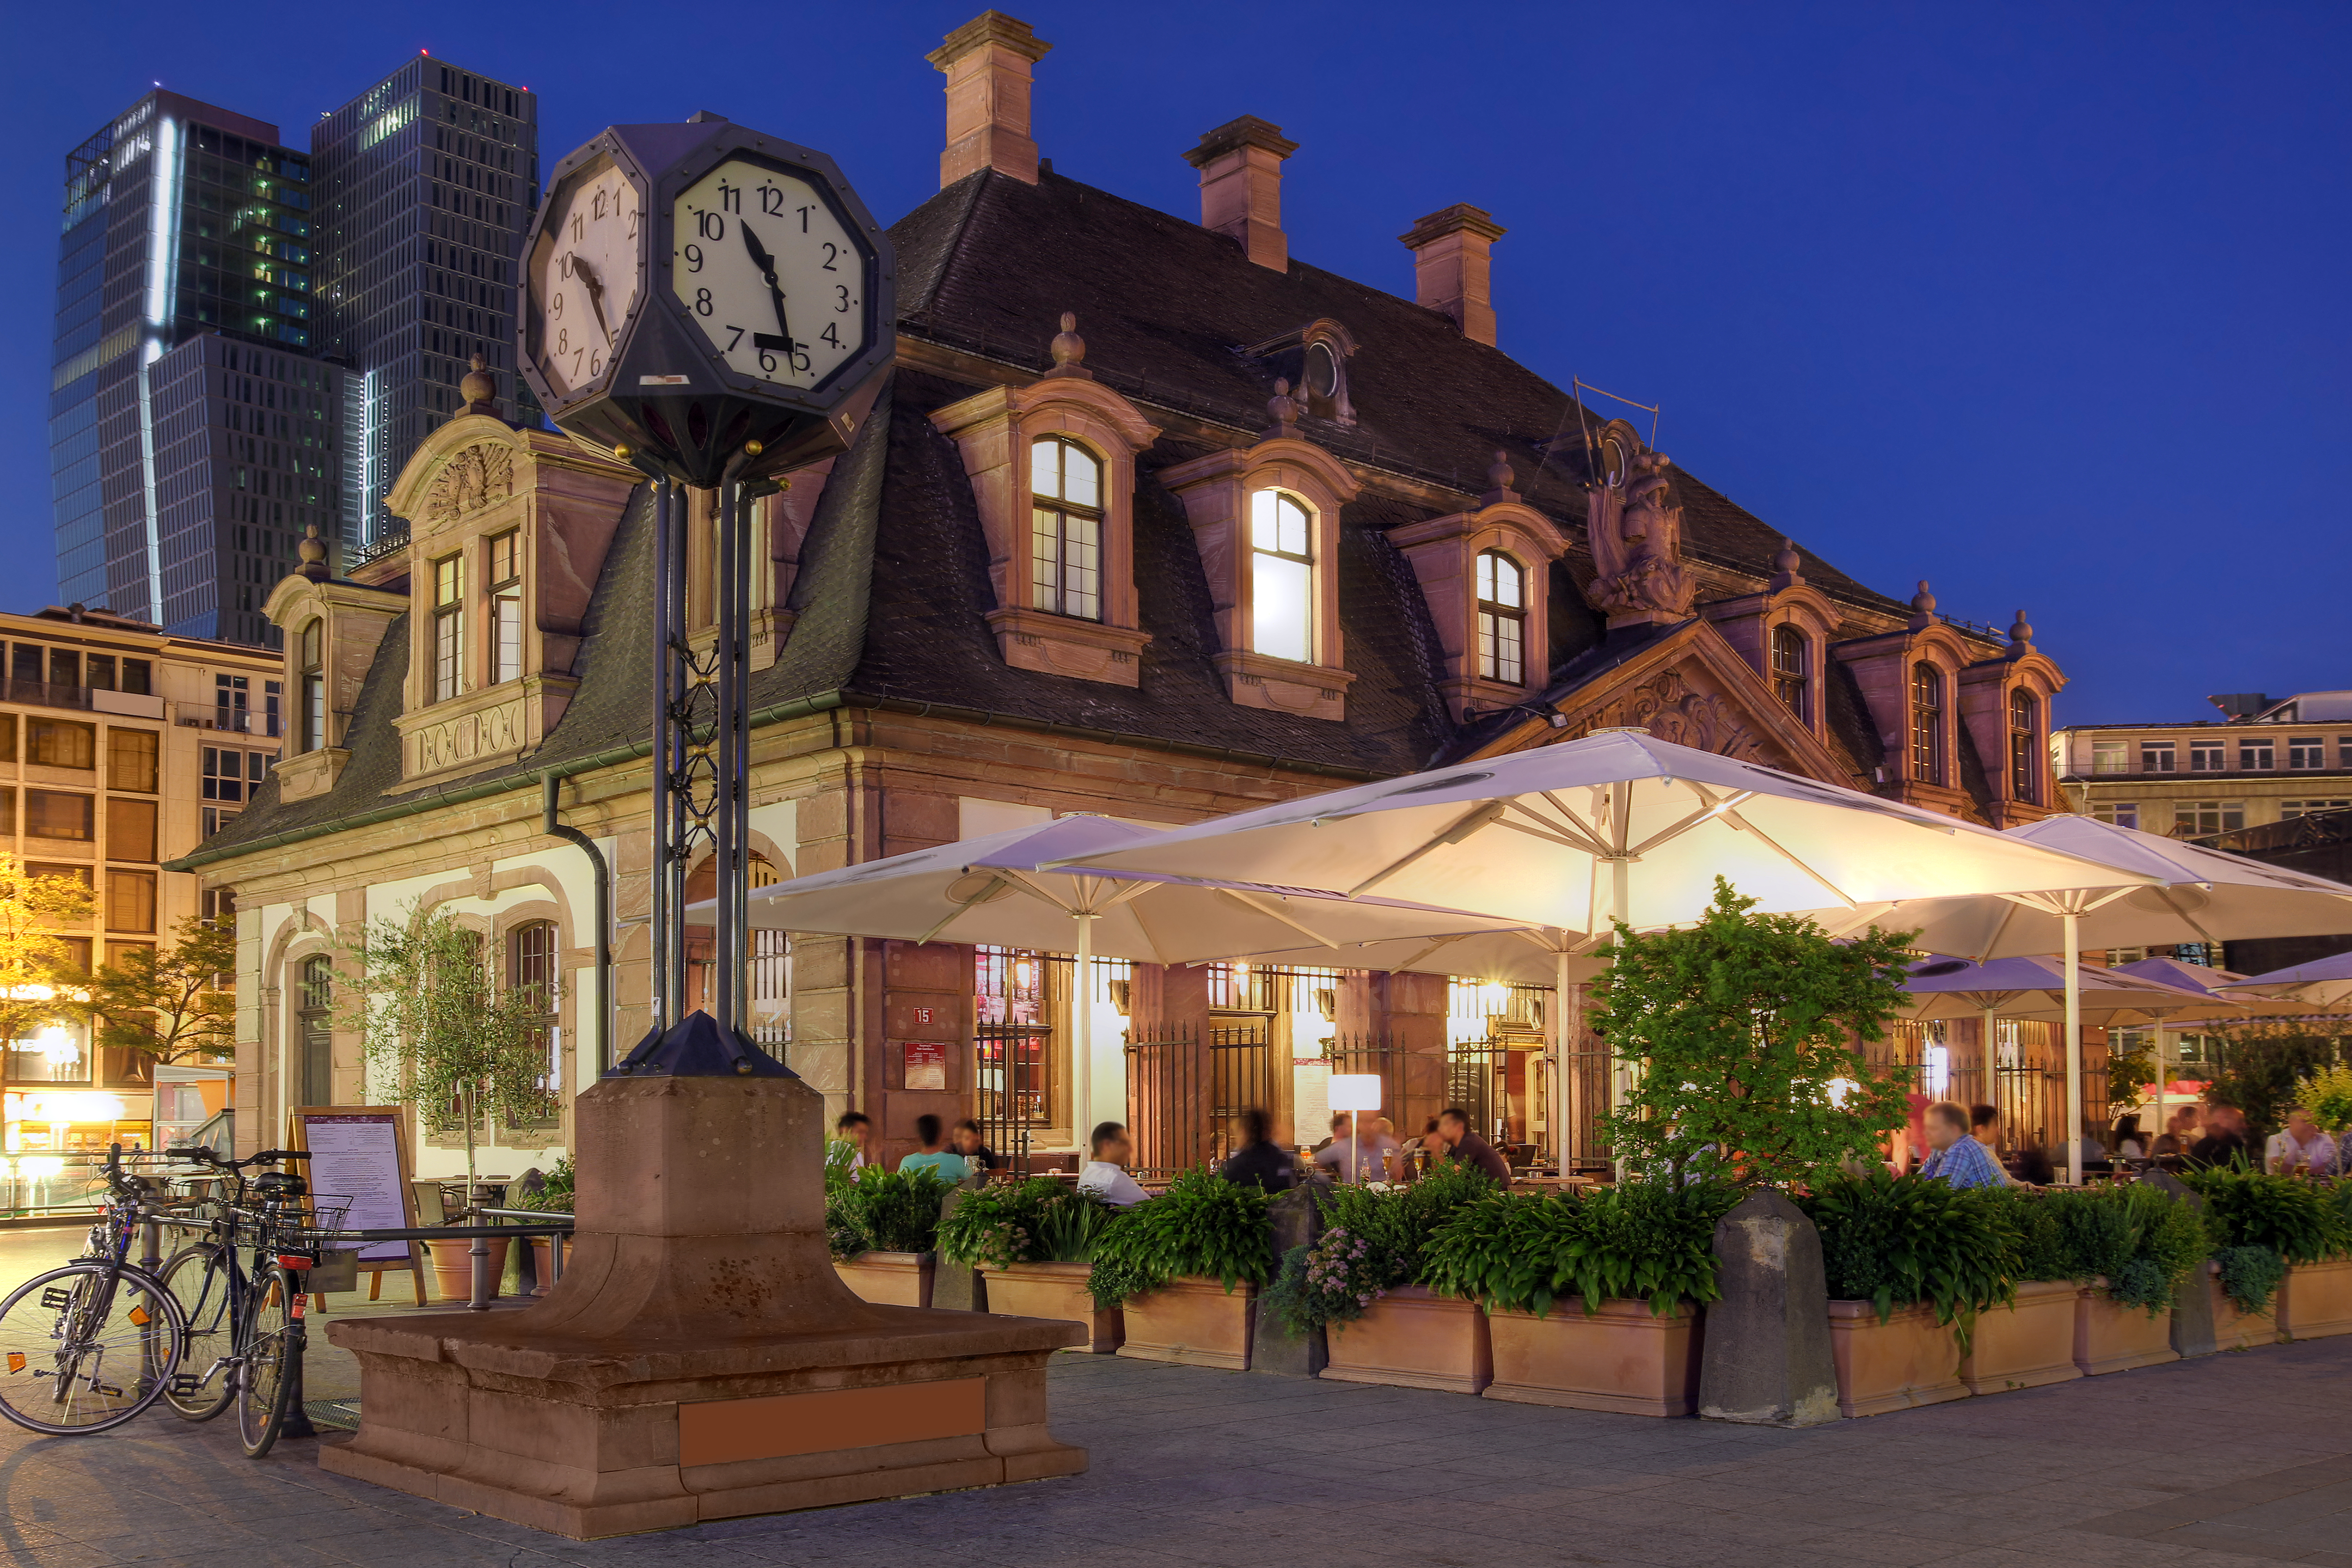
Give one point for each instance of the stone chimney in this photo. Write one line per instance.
(1450, 249)
(987, 62)
(1241, 187)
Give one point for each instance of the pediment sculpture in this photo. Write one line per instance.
(1634, 522)
(478, 476)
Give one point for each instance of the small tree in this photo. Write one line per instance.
(1740, 1028)
(40, 982)
(168, 1003)
(438, 1031)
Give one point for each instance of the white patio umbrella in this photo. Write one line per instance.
(1616, 826)
(2184, 893)
(992, 890)
(2322, 982)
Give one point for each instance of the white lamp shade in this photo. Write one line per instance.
(1355, 1091)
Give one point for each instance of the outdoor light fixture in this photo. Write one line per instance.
(1354, 1093)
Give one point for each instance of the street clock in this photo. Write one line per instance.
(698, 290)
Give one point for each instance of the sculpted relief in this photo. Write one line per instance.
(476, 476)
(1670, 707)
(1635, 525)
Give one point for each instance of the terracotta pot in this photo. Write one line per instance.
(2237, 1330)
(2316, 1302)
(453, 1268)
(1906, 1361)
(1622, 1358)
(2025, 1344)
(889, 1279)
(2110, 1336)
(1193, 1321)
(1055, 1291)
(1415, 1339)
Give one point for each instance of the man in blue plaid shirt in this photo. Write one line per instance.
(1954, 1157)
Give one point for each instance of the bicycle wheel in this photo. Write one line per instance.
(198, 1278)
(85, 1347)
(265, 1370)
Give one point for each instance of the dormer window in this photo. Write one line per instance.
(448, 626)
(1926, 724)
(1788, 659)
(1502, 618)
(2024, 745)
(1282, 577)
(311, 676)
(1066, 522)
(506, 605)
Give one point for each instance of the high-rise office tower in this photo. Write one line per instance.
(425, 183)
(191, 434)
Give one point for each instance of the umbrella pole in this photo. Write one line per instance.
(1988, 1052)
(2074, 1049)
(1082, 1077)
(1559, 1049)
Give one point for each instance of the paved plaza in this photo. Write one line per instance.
(2231, 1460)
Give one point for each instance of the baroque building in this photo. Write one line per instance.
(1150, 519)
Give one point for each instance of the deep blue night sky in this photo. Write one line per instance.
(2044, 303)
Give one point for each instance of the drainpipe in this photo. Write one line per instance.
(548, 784)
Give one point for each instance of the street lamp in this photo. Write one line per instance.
(1355, 1093)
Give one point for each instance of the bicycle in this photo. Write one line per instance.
(244, 1323)
(65, 1334)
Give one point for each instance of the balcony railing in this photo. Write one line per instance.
(236, 720)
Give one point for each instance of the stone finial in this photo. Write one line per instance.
(2020, 636)
(1450, 254)
(987, 63)
(313, 552)
(1284, 408)
(1070, 350)
(1241, 187)
(1499, 475)
(1788, 566)
(480, 389)
(1922, 608)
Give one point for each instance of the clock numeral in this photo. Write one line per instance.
(633, 223)
(767, 362)
(832, 252)
(733, 341)
(555, 306)
(693, 258)
(579, 228)
(577, 355)
(828, 336)
(731, 197)
(702, 301)
(711, 225)
(771, 201)
(800, 359)
(804, 215)
(563, 341)
(842, 289)
(596, 210)
(596, 365)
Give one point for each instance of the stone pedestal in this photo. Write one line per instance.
(1768, 1358)
(699, 1358)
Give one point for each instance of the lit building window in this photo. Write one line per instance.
(1066, 529)
(1282, 577)
(2196, 819)
(1926, 724)
(448, 626)
(313, 685)
(2024, 746)
(1502, 618)
(1789, 682)
(2111, 757)
(506, 606)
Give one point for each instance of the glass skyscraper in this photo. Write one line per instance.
(192, 434)
(424, 185)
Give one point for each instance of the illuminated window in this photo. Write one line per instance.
(2024, 746)
(1788, 668)
(1502, 618)
(2196, 818)
(1282, 577)
(448, 626)
(2121, 813)
(506, 606)
(1926, 724)
(314, 687)
(1066, 529)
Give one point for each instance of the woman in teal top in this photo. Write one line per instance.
(950, 1168)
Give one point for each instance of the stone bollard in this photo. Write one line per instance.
(959, 1287)
(1296, 1221)
(2192, 1309)
(1767, 1360)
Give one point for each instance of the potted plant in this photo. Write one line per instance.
(2137, 1248)
(2279, 1266)
(1910, 1262)
(1034, 1241)
(1363, 1282)
(883, 1226)
(554, 1195)
(2029, 1340)
(1185, 1268)
(1593, 1300)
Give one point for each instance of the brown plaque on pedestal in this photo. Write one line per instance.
(720, 1431)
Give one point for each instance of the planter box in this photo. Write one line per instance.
(1056, 1291)
(889, 1279)
(1621, 1358)
(453, 1266)
(1903, 1361)
(2112, 1337)
(1192, 1320)
(2236, 1331)
(2316, 1302)
(2026, 1344)
(1415, 1339)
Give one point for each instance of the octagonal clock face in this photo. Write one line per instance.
(772, 277)
(584, 275)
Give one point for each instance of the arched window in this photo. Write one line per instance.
(1788, 683)
(314, 1020)
(1065, 527)
(531, 968)
(1502, 618)
(312, 715)
(1282, 577)
(2024, 746)
(1926, 724)
(506, 606)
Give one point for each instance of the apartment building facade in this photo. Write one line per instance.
(2266, 760)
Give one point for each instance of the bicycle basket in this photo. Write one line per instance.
(326, 1216)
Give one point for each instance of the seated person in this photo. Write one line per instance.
(967, 1141)
(1105, 1172)
(1465, 1147)
(948, 1166)
(1370, 1148)
(1954, 1157)
(857, 1130)
(1261, 1162)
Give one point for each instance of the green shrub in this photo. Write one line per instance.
(2035, 1223)
(1070, 1228)
(2146, 1243)
(554, 1194)
(1647, 1240)
(1896, 1240)
(2300, 1222)
(1375, 1238)
(2250, 1275)
(1037, 1221)
(1202, 1226)
(888, 1211)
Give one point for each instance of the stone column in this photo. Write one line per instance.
(1768, 1359)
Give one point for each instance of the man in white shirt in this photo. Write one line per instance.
(1105, 1172)
(2302, 1150)
(1367, 1148)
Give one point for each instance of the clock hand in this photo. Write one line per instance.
(767, 266)
(595, 291)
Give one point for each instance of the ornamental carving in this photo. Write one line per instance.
(455, 741)
(1670, 707)
(479, 476)
(1634, 522)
